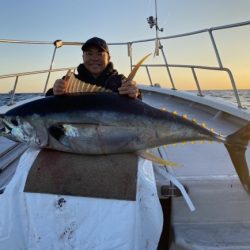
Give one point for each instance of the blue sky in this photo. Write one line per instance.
(69, 20)
(113, 20)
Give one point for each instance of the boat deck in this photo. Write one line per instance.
(10, 153)
(205, 169)
(221, 219)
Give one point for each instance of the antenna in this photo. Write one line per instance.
(153, 22)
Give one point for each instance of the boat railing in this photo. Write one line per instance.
(18, 75)
(192, 68)
(220, 66)
(59, 43)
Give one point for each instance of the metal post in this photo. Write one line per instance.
(58, 44)
(50, 68)
(229, 72)
(11, 102)
(215, 48)
(197, 82)
(149, 77)
(236, 94)
(157, 41)
(166, 63)
(129, 49)
(130, 55)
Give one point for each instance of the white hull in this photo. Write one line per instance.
(222, 216)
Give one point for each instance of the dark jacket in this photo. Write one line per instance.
(109, 78)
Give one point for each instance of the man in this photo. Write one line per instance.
(98, 69)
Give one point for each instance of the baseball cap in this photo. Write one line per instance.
(96, 42)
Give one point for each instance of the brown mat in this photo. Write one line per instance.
(105, 176)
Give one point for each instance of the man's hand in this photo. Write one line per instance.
(129, 88)
(60, 86)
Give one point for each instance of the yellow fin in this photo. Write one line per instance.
(76, 86)
(149, 156)
(203, 124)
(137, 66)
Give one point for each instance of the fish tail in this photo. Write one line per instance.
(236, 145)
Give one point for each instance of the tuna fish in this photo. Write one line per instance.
(107, 123)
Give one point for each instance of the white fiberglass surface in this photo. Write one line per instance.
(198, 159)
(37, 221)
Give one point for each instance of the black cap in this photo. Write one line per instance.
(96, 42)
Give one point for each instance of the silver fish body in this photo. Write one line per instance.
(106, 123)
(101, 123)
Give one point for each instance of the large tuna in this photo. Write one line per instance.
(106, 123)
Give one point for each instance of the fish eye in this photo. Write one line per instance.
(14, 121)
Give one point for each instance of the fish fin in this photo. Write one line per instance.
(236, 145)
(69, 73)
(137, 66)
(149, 156)
(76, 86)
(67, 135)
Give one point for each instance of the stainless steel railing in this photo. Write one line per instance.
(18, 75)
(129, 45)
(193, 67)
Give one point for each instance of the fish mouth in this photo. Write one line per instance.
(1, 123)
(9, 128)
(5, 129)
(7, 125)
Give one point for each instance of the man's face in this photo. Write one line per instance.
(95, 60)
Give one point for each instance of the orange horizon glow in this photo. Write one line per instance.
(234, 54)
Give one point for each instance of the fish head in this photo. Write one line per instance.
(19, 129)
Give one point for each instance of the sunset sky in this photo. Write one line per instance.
(124, 21)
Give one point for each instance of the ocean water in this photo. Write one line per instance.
(226, 95)
(5, 98)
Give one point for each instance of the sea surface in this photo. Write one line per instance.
(227, 95)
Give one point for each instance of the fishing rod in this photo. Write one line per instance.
(153, 22)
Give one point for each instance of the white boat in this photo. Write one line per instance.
(215, 214)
